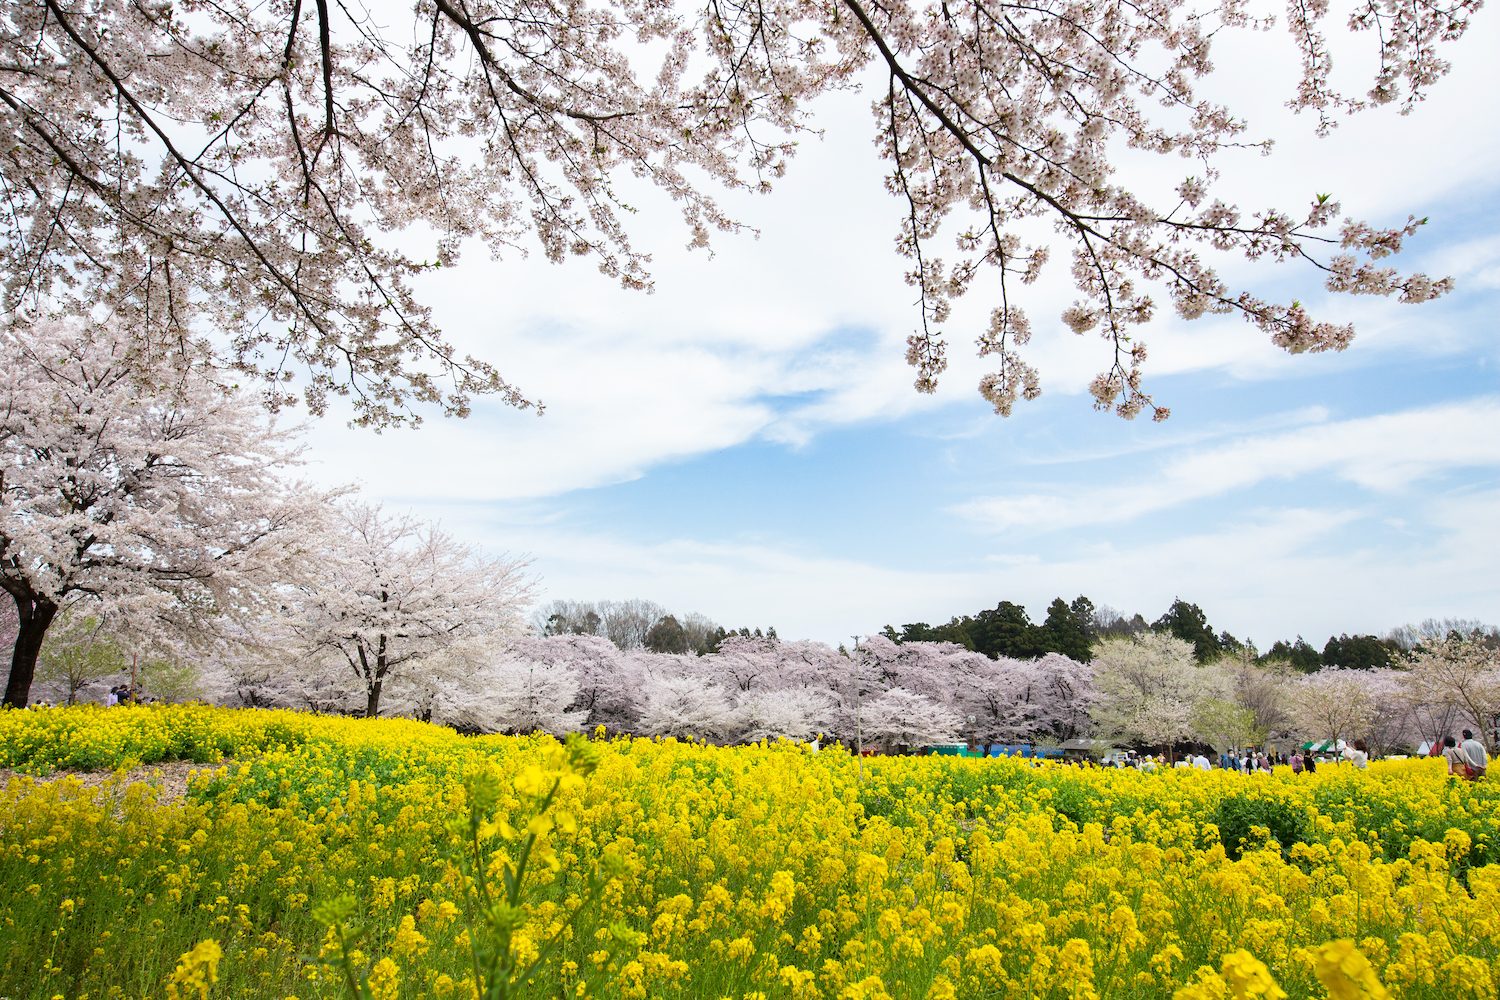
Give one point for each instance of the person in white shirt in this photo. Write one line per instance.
(1475, 754)
(1358, 754)
(1201, 763)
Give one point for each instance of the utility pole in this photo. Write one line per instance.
(859, 742)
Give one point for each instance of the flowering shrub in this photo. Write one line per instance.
(442, 866)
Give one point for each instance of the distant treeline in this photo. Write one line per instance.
(640, 624)
(1070, 628)
(1074, 628)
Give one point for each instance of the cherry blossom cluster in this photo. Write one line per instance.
(267, 181)
(167, 511)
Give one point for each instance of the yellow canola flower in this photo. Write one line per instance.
(1208, 985)
(533, 781)
(1345, 972)
(1248, 977)
(196, 971)
(755, 867)
(385, 980)
(408, 942)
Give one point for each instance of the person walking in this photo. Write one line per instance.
(1475, 757)
(1458, 762)
(1358, 754)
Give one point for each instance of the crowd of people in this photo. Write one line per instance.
(124, 694)
(1467, 759)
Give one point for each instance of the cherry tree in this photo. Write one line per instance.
(9, 625)
(1045, 698)
(393, 591)
(1148, 686)
(1393, 725)
(607, 688)
(995, 698)
(1263, 690)
(795, 713)
(987, 693)
(899, 718)
(283, 174)
(162, 508)
(855, 682)
(1001, 699)
(251, 670)
(918, 666)
(1336, 703)
(676, 700)
(1455, 677)
(745, 663)
(514, 695)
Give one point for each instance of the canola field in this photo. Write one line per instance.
(321, 857)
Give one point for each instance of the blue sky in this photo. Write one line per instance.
(744, 442)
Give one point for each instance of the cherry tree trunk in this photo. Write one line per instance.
(372, 701)
(35, 614)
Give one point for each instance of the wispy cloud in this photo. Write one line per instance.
(1380, 453)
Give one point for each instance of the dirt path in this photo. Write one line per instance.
(170, 778)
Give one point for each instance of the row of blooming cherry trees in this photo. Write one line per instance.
(1146, 690)
(881, 693)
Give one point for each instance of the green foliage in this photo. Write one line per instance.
(1188, 623)
(1302, 657)
(667, 636)
(170, 680)
(1069, 628)
(1240, 818)
(1223, 724)
(1358, 652)
(76, 653)
(1006, 631)
(956, 631)
(1076, 802)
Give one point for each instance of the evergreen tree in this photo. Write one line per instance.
(1068, 629)
(1303, 658)
(1006, 631)
(1360, 652)
(1188, 623)
(667, 636)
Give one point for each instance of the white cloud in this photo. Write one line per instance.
(1276, 574)
(1382, 453)
(616, 409)
(1474, 264)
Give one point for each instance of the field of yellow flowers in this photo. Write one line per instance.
(322, 857)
